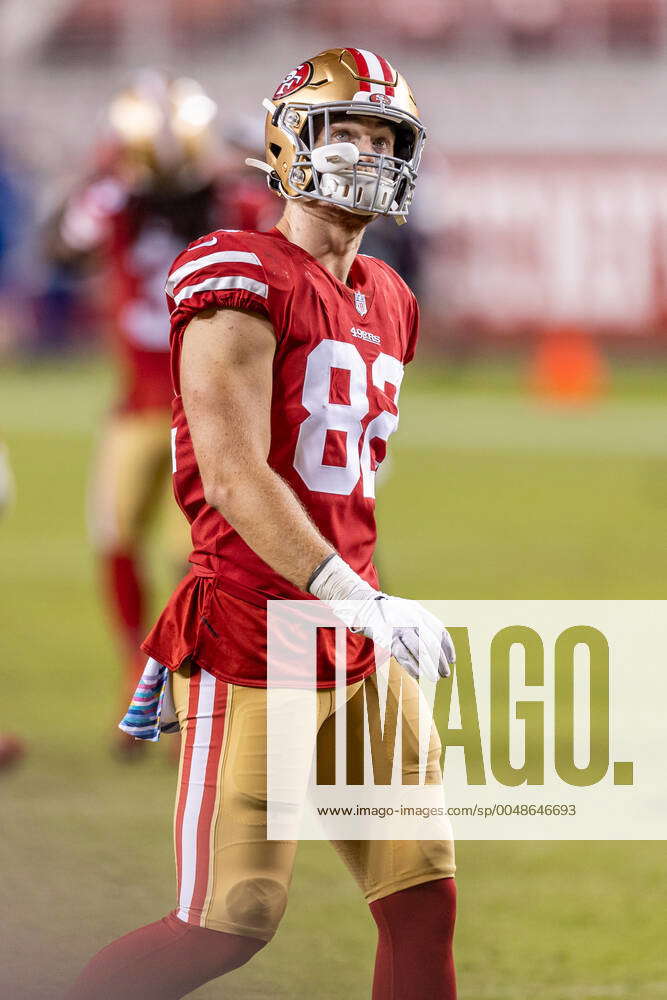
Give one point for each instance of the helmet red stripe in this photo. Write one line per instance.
(362, 67)
(388, 75)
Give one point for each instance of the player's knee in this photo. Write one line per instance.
(257, 903)
(211, 953)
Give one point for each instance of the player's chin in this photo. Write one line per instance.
(341, 213)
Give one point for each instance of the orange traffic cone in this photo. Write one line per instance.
(568, 366)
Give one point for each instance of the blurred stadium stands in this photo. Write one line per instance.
(104, 28)
(544, 197)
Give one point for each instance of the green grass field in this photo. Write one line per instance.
(491, 495)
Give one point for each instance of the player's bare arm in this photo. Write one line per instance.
(226, 372)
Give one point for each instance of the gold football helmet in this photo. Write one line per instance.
(302, 162)
(162, 126)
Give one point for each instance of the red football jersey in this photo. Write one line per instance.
(340, 352)
(137, 233)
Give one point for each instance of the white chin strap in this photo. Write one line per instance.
(337, 165)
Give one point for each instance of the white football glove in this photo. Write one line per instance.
(394, 623)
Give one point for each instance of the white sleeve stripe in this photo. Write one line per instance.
(217, 284)
(221, 257)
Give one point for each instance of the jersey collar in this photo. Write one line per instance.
(359, 290)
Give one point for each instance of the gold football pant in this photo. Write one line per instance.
(131, 481)
(230, 877)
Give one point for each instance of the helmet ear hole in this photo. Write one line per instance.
(317, 124)
(405, 143)
(275, 149)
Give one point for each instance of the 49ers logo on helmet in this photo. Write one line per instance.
(295, 79)
(379, 99)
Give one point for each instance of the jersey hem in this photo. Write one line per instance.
(228, 678)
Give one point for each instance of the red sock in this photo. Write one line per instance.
(125, 591)
(161, 961)
(414, 959)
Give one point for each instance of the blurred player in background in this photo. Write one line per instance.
(246, 202)
(11, 212)
(156, 185)
(11, 747)
(288, 353)
(16, 253)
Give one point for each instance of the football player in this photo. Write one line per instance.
(288, 351)
(155, 189)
